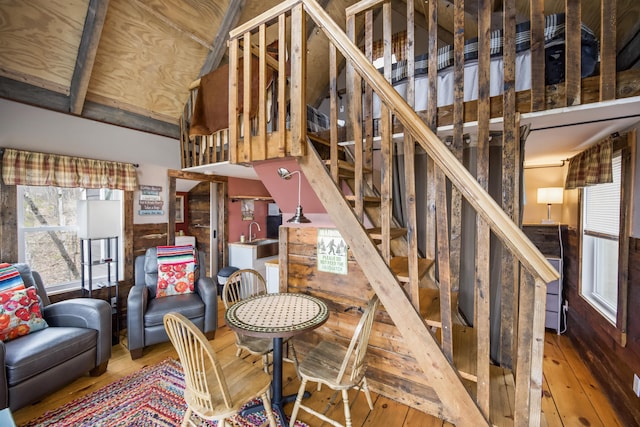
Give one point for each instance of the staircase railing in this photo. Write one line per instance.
(435, 359)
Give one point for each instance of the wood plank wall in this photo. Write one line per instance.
(612, 365)
(391, 372)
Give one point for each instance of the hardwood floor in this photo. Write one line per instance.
(571, 396)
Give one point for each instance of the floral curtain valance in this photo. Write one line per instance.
(592, 166)
(31, 168)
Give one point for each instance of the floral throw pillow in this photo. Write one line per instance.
(19, 313)
(176, 270)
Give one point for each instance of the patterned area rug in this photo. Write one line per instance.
(150, 397)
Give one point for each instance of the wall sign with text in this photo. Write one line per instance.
(332, 251)
(150, 200)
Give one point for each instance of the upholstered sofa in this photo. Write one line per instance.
(77, 341)
(145, 312)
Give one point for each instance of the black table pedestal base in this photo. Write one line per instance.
(277, 399)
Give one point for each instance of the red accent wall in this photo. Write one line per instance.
(238, 187)
(285, 192)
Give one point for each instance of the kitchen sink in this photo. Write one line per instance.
(265, 247)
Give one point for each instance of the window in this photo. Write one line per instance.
(48, 232)
(600, 239)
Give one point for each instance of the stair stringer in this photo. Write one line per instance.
(459, 406)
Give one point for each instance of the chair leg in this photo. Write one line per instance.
(267, 408)
(294, 359)
(265, 363)
(187, 418)
(347, 411)
(238, 352)
(296, 406)
(367, 394)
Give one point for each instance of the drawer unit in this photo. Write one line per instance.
(553, 317)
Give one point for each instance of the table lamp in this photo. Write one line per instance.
(550, 196)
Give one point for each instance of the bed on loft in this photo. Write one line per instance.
(554, 34)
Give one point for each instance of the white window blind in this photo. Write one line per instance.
(602, 204)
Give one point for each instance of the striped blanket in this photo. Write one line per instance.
(10, 278)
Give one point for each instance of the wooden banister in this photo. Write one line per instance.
(482, 202)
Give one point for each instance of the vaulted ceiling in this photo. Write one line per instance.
(130, 62)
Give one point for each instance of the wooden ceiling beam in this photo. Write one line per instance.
(43, 98)
(93, 24)
(229, 21)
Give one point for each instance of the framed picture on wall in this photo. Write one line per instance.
(180, 209)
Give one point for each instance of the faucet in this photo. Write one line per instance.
(251, 235)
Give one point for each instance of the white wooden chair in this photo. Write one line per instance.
(214, 390)
(339, 367)
(240, 285)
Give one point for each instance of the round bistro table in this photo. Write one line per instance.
(276, 316)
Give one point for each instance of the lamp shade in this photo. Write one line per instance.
(550, 195)
(98, 219)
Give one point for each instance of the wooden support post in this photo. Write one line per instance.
(298, 128)
(333, 93)
(483, 232)
(444, 265)
(282, 85)
(608, 50)
(510, 173)
(234, 134)
(573, 51)
(247, 143)
(537, 55)
(261, 143)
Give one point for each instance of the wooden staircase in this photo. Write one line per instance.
(421, 305)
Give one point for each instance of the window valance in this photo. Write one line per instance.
(31, 168)
(592, 166)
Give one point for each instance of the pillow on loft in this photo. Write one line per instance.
(10, 278)
(19, 313)
(176, 270)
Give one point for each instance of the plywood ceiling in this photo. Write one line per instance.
(138, 57)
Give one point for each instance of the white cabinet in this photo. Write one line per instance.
(243, 255)
(553, 315)
(273, 276)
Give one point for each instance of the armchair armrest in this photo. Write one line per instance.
(84, 313)
(208, 291)
(136, 306)
(4, 387)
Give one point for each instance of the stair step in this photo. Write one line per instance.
(400, 266)
(430, 305)
(376, 233)
(368, 200)
(346, 169)
(466, 357)
(320, 140)
(465, 351)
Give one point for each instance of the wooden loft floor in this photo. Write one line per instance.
(571, 395)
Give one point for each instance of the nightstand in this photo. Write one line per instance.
(553, 315)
